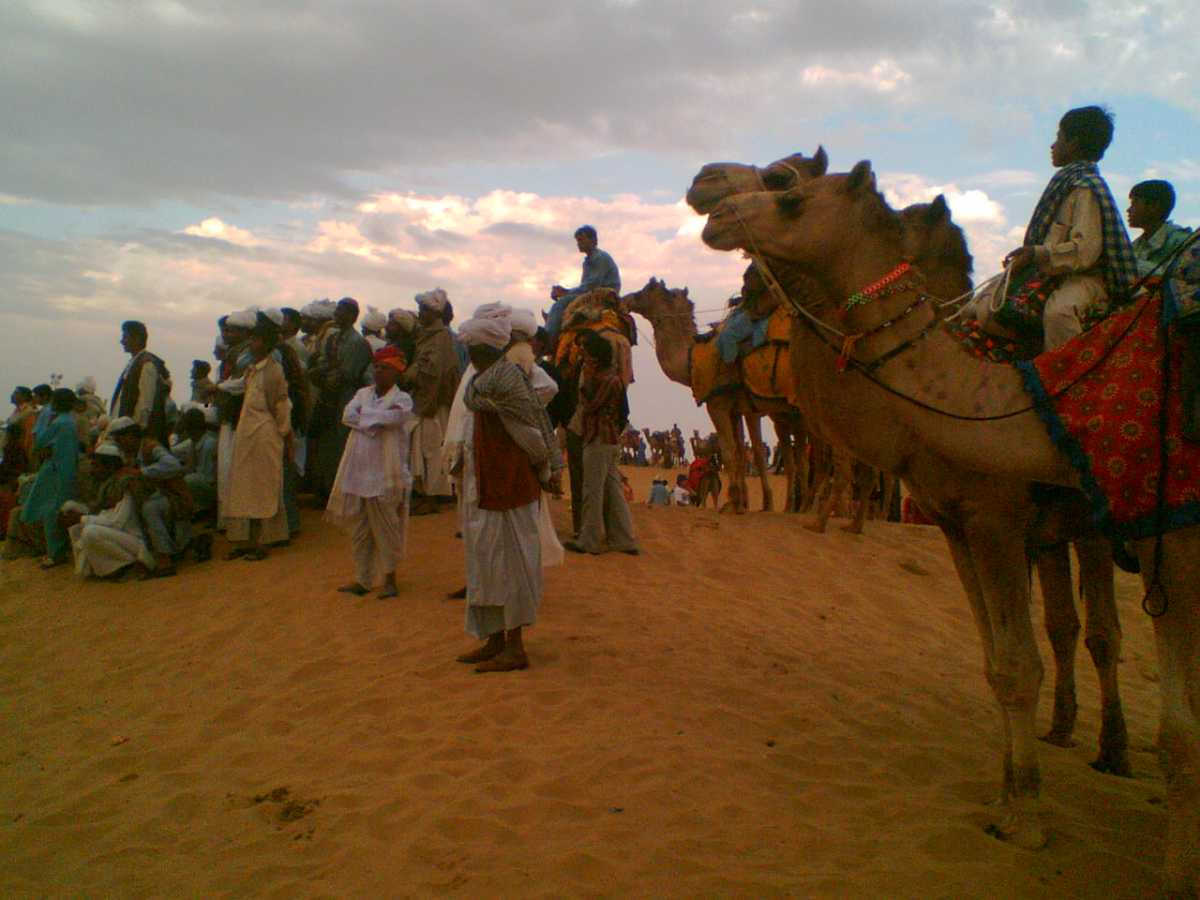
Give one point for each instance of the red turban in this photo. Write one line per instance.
(391, 356)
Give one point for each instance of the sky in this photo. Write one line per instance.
(173, 160)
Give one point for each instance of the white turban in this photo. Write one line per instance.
(243, 318)
(524, 324)
(275, 314)
(86, 386)
(119, 424)
(323, 309)
(374, 320)
(435, 299)
(493, 311)
(404, 318)
(491, 332)
(108, 448)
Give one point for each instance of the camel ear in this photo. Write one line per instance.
(861, 178)
(938, 211)
(820, 161)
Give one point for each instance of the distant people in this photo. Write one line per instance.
(1150, 205)
(18, 427)
(1076, 239)
(605, 522)
(373, 325)
(399, 331)
(431, 380)
(680, 495)
(599, 270)
(58, 441)
(660, 495)
(256, 514)
(370, 492)
(203, 388)
(340, 369)
(510, 456)
(144, 387)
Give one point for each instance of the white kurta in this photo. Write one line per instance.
(504, 557)
(108, 541)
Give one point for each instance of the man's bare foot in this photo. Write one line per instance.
(388, 592)
(353, 588)
(508, 661)
(493, 648)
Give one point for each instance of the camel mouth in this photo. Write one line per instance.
(719, 232)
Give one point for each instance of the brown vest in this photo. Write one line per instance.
(506, 479)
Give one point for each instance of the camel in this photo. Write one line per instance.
(976, 479)
(937, 247)
(670, 314)
(662, 448)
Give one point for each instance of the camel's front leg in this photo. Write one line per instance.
(998, 552)
(1103, 639)
(1062, 627)
(863, 480)
(754, 426)
(729, 439)
(1177, 635)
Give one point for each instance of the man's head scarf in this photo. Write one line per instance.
(123, 425)
(374, 320)
(86, 386)
(390, 356)
(493, 332)
(404, 318)
(243, 318)
(524, 324)
(435, 300)
(109, 449)
(275, 314)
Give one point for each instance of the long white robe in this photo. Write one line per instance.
(110, 540)
(504, 557)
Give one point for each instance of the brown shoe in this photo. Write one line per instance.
(482, 654)
(504, 662)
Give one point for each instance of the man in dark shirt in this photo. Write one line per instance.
(605, 514)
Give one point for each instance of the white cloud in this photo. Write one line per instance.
(213, 227)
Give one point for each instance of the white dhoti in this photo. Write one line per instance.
(224, 465)
(378, 539)
(425, 455)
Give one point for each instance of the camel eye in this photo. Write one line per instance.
(790, 204)
(777, 180)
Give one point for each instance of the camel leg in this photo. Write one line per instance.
(998, 553)
(1103, 640)
(800, 470)
(754, 426)
(728, 437)
(863, 479)
(840, 477)
(788, 452)
(825, 501)
(1062, 627)
(1177, 636)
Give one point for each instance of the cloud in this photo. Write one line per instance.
(212, 227)
(271, 100)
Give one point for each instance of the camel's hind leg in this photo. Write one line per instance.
(1062, 627)
(728, 425)
(1103, 640)
(754, 426)
(1177, 635)
(863, 479)
(841, 477)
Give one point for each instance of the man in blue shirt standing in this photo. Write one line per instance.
(599, 271)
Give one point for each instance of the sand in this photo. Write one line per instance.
(748, 709)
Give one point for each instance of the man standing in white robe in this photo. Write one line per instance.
(370, 492)
(510, 455)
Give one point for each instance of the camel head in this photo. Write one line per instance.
(818, 221)
(936, 245)
(656, 300)
(716, 181)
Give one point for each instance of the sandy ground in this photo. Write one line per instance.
(748, 709)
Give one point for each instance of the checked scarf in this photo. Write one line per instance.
(1116, 260)
(504, 390)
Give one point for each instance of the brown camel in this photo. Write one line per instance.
(976, 479)
(662, 448)
(670, 314)
(937, 247)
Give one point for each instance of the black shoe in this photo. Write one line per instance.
(573, 547)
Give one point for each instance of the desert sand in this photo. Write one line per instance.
(747, 709)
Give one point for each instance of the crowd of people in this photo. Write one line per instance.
(372, 418)
(398, 415)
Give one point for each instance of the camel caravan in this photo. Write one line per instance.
(996, 454)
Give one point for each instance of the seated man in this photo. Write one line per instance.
(599, 271)
(161, 495)
(1150, 203)
(1076, 242)
(197, 453)
(108, 537)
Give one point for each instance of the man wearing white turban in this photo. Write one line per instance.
(431, 380)
(510, 456)
(373, 324)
